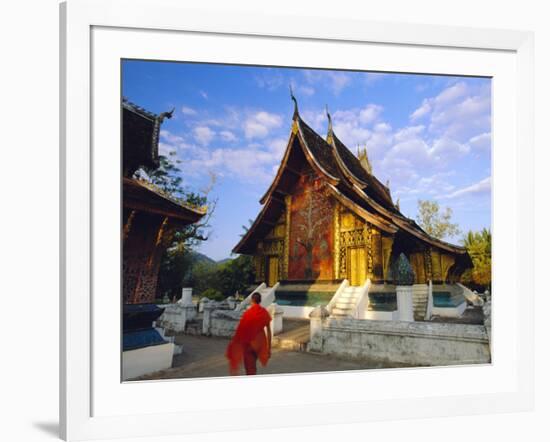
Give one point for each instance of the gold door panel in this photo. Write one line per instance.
(273, 271)
(357, 267)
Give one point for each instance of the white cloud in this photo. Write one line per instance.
(422, 111)
(460, 111)
(252, 163)
(448, 148)
(334, 80)
(203, 135)
(481, 141)
(382, 127)
(228, 136)
(373, 77)
(370, 113)
(270, 80)
(259, 124)
(186, 110)
(479, 188)
(203, 94)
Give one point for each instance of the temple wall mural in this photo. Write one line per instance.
(311, 236)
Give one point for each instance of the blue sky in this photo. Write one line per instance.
(430, 136)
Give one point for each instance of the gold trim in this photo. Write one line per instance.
(286, 254)
(336, 247)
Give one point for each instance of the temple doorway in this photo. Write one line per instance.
(272, 270)
(357, 266)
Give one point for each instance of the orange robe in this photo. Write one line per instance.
(249, 333)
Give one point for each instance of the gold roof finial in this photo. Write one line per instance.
(293, 98)
(329, 131)
(364, 159)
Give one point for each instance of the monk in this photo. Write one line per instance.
(250, 343)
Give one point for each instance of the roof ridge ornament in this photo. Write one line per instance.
(293, 98)
(363, 157)
(330, 133)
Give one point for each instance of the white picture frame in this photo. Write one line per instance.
(85, 390)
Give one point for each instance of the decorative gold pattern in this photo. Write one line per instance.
(428, 264)
(128, 225)
(336, 254)
(417, 262)
(350, 239)
(387, 245)
(436, 266)
(368, 242)
(376, 250)
(294, 127)
(286, 254)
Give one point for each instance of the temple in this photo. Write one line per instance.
(149, 221)
(326, 218)
(149, 216)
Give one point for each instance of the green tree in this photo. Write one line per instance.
(177, 262)
(479, 246)
(434, 221)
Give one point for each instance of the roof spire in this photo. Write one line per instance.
(329, 131)
(293, 98)
(329, 119)
(364, 159)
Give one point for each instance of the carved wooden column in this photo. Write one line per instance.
(377, 260)
(436, 266)
(286, 247)
(336, 247)
(367, 234)
(387, 245)
(428, 264)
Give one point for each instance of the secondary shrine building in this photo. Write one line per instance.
(326, 218)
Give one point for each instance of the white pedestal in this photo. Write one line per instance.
(186, 296)
(405, 303)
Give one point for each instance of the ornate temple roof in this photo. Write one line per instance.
(141, 196)
(347, 181)
(140, 137)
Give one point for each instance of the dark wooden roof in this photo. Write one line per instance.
(319, 148)
(140, 137)
(372, 186)
(347, 180)
(143, 197)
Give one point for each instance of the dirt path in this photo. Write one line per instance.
(204, 357)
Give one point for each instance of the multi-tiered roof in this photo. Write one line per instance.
(347, 180)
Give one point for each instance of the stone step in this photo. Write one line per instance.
(340, 315)
(352, 290)
(344, 303)
(293, 340)
(341, 311)
(348, 296)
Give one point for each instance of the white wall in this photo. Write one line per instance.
(146, 360)
(28, 82)
(291, 311)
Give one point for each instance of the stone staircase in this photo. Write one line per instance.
(268, 296)
(420, 301)
(295, 336)
(346, 303)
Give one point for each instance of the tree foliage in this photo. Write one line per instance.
(434, 221)
(177, 260)
(479, 248)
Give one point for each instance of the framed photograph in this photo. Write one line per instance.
(336, 213)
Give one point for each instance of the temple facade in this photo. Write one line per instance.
(326, 218)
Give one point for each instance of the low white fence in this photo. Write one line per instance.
(399, 343)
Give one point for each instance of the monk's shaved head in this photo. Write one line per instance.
(256, 298)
